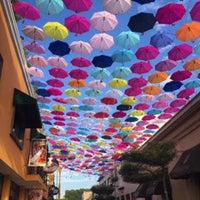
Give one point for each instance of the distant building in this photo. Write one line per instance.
(87, 195)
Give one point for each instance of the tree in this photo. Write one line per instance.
(74, 194)
(149, 164)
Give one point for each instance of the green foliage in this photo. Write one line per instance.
(74, 194)
(102, 189)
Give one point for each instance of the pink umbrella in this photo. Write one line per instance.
(55, 82)
(181, 75)
(26, 10)
(101, 41)
(78, 74)
(57, 112)
(38, 61)
(72, 114)
(165, 116)
(152, 126)
(180, 52)
(71, 100)
(160, 104)
(43, 99)
(54, 91)
(58, 72)
(89, 101)
(81, 62)
(133, 91)
(146, 98)
(103, 21)
(34, 32)
(89, 114)
(114, 93)
(178, 103)
(165, 65)
(141, 67)
(57, 61)
(168, 14)
(34, 47)
(141, 106)
(77, 24)
(137, 82)
(97, 84)
(194, 12)
(78, 5)
(80, 47)
(167, 96)
(186, 93)
(35, 72)
(148, 117)
(171, 109)
(59, 100)
(119, 114)
(59, 123)
(146, 53)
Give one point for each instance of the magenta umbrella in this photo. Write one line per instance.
(78, 74)
(81, 62)
(180, 75)
(55, 82)
(171, 109)
(77, 24)
(165, 116)
(147, 53)
(133, 91)
(141, 106)
(137, 82)
(160, 104)
(26, 10)
(119, 114)
(186, 93)
(58, 72)
(180, 52)
(194, 12)
(170, 13)
(57, 61)
(34, 47)
(78, 5)
(165, 65)
(148, 117)
(178, 103)
(54, 91)
(141, 67)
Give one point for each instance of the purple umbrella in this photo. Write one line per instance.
(180, 75)
(141, 67)
(165, 65)
(194, 12)
(168, 13)
(186, 93)
(146, 53)
(34, 47)
(180, 52)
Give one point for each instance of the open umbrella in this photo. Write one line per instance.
(151, 89)
(34, 47)
(109, 100)
(139, 82)
(114, 93)
(97, 84)
(122, 55)
(34, 71)
(143, 1)
(127, 39)
(55, 82)
(89, 101)
(80, 47)
(77, 83)
(167, 96)
(121, 72)
(57, 61)
(71, 100)
(92, 92)
(117, 83)
(192, 84)
(50, 7)
(81, 62)
(55, 30)
(141, 67)
(192, 64)
(54, 91)
(172, 86)
(38, 83)
(78, 5)
(141, 22)
(72, 92)
(58, 72)
(38, 61)
(59, 48)
(168, 14)
(146, 98)
(34, 32)
(78, 74)
(157, 77)
(102, 61)
(117, 6)
(188, 31)
(128, 100)
(100, 73)
(103, 21)
(186, 93)
(180, 75)
(165, 65)
(77, 24)
(101, 41)
(26, 10)
(194, 12)
(133, 91)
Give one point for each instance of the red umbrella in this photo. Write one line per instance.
(165, 65)
(77, 24)
(119, 114)
(186, 93)
(194, 12)
(141, 67)
(180, 52)
(133, 91)
(146, 53)
(81, 62)
(101, 115)
(78, 74)
(109, 100)
(73, 114)
(137, 82)
(78, 5)
(58, 72)
(181, 75)
(168, 13)
(26, 10)
(55, 82)
(54, 91)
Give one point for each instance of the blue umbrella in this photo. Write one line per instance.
(121, 72)
(172, 85)
(38, 83)
(46, 122)
(102, 61)
(161, 39)
(197, 49)
(92, 92)
(59, 48)
(148, 131)
(143, 1)
(122, 55)
(131, 119)
(192, 84)
(43, 92)
(100, 73)
(127, 39)
(50, 7)
(86, 107)
(154, 112)
(43, 105)
(124, 107)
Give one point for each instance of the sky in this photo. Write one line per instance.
(102, 151)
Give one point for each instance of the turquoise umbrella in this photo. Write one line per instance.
(122, 55)
(127, 39)
(50, 7)
(197, 49)
(121, 72)
(100, 73)
(192, 84)
(92, 92)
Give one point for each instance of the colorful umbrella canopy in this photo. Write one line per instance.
(34, 47)
(81, 47)
(59, 48)
(81, 62)
(157, 77)
(34, 32)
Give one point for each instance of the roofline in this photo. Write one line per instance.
(8, 11)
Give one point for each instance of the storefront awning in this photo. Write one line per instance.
(188, 164)
(26, 110)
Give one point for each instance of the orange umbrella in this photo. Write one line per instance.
(188, 31)
(151, 89)
(192, 64)
(115, 125)
(157, 77)
(77, 83)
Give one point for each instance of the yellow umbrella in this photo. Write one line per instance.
(157, 77)
(127, 129)
(151, 89)
(72, 92)
(128, 100)
(58, 107)
(77, 83)
(117, 83)
(55, 30)
(192, 64)
(188, 31)
(136, 113)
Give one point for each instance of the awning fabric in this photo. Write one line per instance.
(26, 110)
(188, 164)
